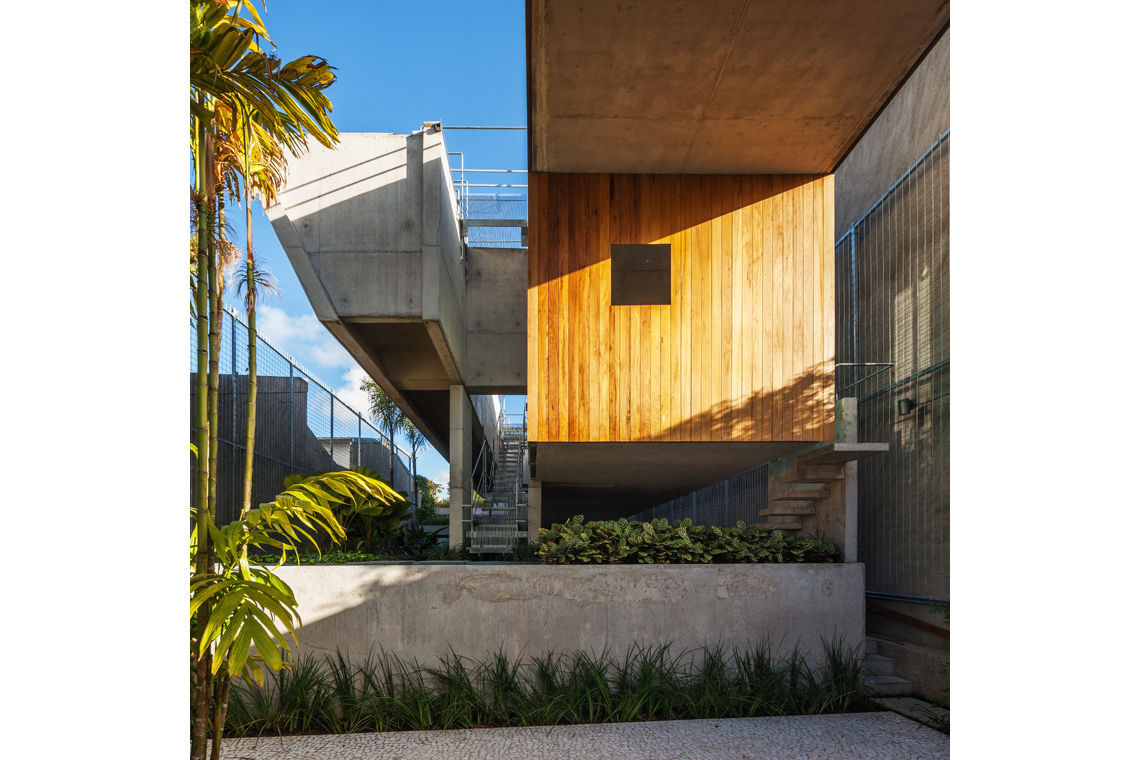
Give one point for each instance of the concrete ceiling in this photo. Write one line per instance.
(715, 86)
(611, 480)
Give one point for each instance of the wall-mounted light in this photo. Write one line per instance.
(906, 406)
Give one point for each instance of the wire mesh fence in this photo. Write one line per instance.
(498, 208)
(301, 426)
(892, 291)
(738, 498)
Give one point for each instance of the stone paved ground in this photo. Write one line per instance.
(857, 736)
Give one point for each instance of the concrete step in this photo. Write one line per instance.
(818, 473)
(871, 645)
(878, 665)
(789, 508)
(888, 686)
(779, 526)
(798, 494)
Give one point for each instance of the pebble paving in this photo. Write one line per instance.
(854, 736)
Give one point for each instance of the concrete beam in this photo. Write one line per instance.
(715, 86)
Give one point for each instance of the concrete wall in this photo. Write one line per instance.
(423, 610)
(495, 314)
(910, 123)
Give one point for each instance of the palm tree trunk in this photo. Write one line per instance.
(221, 703)
(251, 316)
(216, 287)
(392, 455)
(415, 491)
(199, 699)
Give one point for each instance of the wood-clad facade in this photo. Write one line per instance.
(744, 350)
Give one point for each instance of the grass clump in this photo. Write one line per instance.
(384, 693)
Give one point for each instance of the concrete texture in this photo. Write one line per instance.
(459, 462)
(715, 86)
(494, 313)
(371, 229)
(423, 611)
(909, 125)
(856, 736)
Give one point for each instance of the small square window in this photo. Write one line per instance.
(640, 275)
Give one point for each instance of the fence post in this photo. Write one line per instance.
(852, 290)
(332, 412)
(292, 466)
(236, 494)
(359, 440)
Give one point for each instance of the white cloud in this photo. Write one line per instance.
(285, 329)
(349, 391)
(442, 477)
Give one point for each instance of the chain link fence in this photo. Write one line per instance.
(302, 427)
(892, 298)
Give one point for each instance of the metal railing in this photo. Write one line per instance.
(302, 426)
(496, 525)
(739, 498)
(892, 293)
(494, 214)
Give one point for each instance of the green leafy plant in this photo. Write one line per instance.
(251, 614)
(659, 541)
(383, 693)
(368, 521)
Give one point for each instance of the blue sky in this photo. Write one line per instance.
(398, 65)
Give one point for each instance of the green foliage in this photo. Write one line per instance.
(658, 541)
(248, 605)
(384, 693)
(368, 520)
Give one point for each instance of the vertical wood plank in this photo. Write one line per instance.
(827, 276)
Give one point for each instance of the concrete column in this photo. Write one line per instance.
(533, 510)
(460, 441)
(847, 431)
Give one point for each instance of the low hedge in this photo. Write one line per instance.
(578, 542)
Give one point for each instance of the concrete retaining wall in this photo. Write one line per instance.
(423, 610)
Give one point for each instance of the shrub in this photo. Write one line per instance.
(659, 541)
(384, 693)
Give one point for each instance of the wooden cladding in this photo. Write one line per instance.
(743, 351)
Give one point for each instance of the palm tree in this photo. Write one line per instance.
(390, 418)
(416, 440)
(260, 160)
(285, 103)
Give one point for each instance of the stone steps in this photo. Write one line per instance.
(880, 669)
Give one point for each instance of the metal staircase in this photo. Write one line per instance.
(498, 523)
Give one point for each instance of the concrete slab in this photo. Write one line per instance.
(714, 86)
(915, 709)
(856, 736)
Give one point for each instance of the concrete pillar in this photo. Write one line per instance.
(847, 420)
(533, 510)
(460, 441)
(847, 431)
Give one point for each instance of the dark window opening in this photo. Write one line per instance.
(640, 275)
